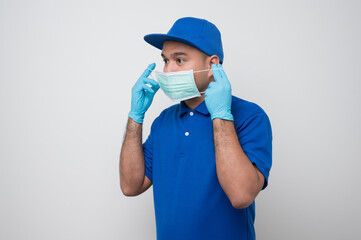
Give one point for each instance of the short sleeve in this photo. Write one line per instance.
(255, 136)
(148, 152)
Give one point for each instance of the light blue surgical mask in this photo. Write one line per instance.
(178, 86)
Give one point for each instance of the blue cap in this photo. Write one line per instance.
(198, 33)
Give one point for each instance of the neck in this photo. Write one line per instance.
(194, 102)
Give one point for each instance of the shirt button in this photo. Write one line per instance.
(186, 133)
(191, 113)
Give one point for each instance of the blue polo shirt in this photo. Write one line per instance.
(189, 201)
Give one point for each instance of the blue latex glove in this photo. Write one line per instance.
(219, 95)
(142, 95)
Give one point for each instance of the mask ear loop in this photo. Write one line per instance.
(204, 71)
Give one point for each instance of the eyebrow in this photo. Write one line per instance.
(175, 54)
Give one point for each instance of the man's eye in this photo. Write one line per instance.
(165, 60)
(179, 60)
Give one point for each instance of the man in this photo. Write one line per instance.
(208, 156)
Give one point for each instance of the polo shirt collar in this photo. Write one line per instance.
(201, 108)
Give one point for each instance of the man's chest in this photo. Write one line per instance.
(183, 153)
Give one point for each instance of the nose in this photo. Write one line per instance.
(170, 67)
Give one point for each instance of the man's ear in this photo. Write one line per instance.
(214, 59)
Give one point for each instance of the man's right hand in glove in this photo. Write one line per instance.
(142, 95)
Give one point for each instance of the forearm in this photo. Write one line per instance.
(131, 164)
(236, 174)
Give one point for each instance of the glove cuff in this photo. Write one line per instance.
(136, 117)
(224, 116)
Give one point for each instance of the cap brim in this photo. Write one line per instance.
(157, 40)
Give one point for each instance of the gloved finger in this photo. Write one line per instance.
(149, 69)
(211, 85)
(216, 73)
(150, 81)
(207, 92)
(156, 87)
(147, 88)
(221, 71)
(224, 77)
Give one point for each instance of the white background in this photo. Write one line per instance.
(66, 72)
